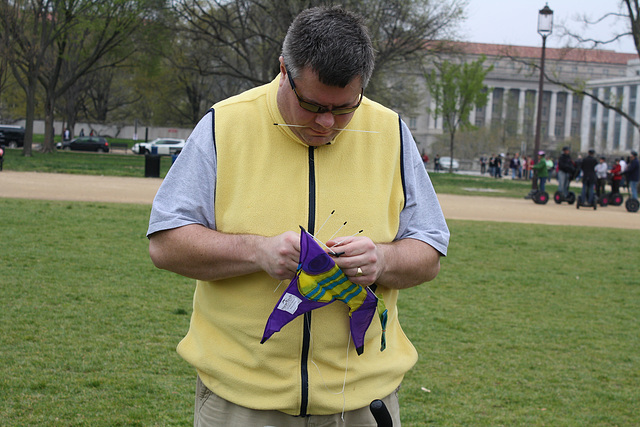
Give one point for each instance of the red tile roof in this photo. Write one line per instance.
(564, 54)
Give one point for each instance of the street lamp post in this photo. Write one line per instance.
(545, 25)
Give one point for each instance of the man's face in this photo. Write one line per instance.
(317, 128)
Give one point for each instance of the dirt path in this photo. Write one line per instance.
(49, 186)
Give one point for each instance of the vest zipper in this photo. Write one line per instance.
(306, 334)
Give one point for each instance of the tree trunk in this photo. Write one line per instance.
(49, 132)
(30, 92)
(452, 134)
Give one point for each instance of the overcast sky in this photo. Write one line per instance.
(515, 22)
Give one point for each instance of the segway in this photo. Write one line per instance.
(632, 205)
(614, 199)
(558, 197)
(581, 203)
(540, 197)
(603, 200)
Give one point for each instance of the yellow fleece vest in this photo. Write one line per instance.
(269, 182)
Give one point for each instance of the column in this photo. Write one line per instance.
(624, 123)
(597, 140)
(585, 124)
(553, 107)
(472, 115)
(488, 110)
(505, 97)
(521, 101)
(432, 109)
(568, 117)
(612, 127)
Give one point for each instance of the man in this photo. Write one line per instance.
(542, 170)
(602, 170)
(616, 177)
(514, 165)
(258, 166)
(588, 178)
(633, 174)
(623, 168)
(498, 166)
(566, 169)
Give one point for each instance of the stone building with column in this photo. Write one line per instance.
(567, 118)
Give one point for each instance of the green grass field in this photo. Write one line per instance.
(525, 325)
(77, 162)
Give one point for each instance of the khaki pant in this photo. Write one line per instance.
(213, 411)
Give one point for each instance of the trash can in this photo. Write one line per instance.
(152, 166)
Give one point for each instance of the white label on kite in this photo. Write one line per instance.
(289, 303)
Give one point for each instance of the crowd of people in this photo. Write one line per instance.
(506, 165)
(594, 173)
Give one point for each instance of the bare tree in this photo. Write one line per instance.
(626, 21)
(27, 35)
(245, 36)
(91, 34)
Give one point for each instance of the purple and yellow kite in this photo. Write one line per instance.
(319, 282)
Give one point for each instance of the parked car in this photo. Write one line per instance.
(445, 162)
(163, 146)
(11, 136)
(86, 143)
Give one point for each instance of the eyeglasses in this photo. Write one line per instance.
(320, 109)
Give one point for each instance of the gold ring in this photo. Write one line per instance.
(359, 272)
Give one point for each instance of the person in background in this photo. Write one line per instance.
(588, 167)
(258, 167)
(616, 177)
(566, 170)
(602, 170)
(578, 176)
(542, 170)
(436, 163)
(514, 165)
(498, 166)
(623, 169)
(1, 156)
(492, 165)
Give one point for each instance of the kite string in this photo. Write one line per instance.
(346, 369)
(348, 130)
(278, 286)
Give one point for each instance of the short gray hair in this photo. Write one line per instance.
(333, 42)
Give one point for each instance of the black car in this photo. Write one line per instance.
(11, 136)
(87, 143)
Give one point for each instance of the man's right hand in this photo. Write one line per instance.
(279, 255)
(204, 254)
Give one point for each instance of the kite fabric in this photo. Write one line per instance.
(319, 282)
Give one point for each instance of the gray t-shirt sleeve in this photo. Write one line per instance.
(422, 218)
(186, 196)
